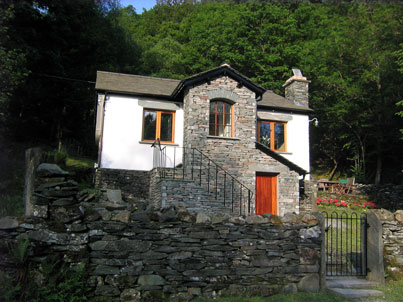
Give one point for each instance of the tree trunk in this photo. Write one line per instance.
(333, 171)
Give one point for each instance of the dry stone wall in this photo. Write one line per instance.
(392, 225)
(133, 251)
(132, 183)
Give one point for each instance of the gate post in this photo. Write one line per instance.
(375, 249)
(323, 254)
(32, 160)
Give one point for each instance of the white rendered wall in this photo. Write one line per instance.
(122, 131)
(298, 141)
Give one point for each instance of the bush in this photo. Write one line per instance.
(61, 283)
(11, 205)
(53, 281)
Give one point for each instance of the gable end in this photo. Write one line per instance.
(223, 70)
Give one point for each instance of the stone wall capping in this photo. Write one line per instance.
(202, 218)
(256, 219)
(399, 216)
(290, 218)
(9, 223)
(384, 215)
(46, 170)
(237, 220)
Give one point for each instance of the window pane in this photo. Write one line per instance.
(227, 131)
(227, 108)
(228, 119)
(220, 131)
(150, 124)
(166, 127)
(220, 119)
(264, 134)
(212, 107)
(279, 137)
(212, 129)
(212, 118)
(220, 106)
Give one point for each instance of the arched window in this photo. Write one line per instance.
(220, 122)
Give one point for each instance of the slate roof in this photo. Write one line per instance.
(173, 89)
(135, 84)
(270, 100)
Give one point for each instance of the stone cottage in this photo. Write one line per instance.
(215, 141)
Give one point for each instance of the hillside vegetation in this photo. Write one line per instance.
(50, 51)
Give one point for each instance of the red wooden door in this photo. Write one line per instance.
(266, 194)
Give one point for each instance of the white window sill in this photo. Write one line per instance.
(282, 152)
(164, 144)
(224, 138)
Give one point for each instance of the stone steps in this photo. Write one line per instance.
(354, 289)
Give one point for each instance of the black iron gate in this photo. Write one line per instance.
(346, 244)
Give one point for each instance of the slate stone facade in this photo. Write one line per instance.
(132, 183)
(237, 155)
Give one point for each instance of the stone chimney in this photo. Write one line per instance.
(296, 89)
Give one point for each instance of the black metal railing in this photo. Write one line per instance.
(346, 244)
(192, 164)
(159, 154)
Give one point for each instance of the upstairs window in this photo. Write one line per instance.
(158, 125)
(220, 121)
(272, 135)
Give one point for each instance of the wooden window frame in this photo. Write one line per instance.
(215, 118)
(158, 126)
(272, 124)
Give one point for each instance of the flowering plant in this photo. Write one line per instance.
(344, 204)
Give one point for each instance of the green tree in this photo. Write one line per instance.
(399, 61)
(355, 79)
(65, 43)
(12, 65)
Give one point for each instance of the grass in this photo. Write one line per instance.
(76, 162)
(297, 297)
(393, 290)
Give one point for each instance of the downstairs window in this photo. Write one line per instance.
(158, 124)
(272, 135)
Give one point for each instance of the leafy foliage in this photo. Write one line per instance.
(351, 52)
(55, 281)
